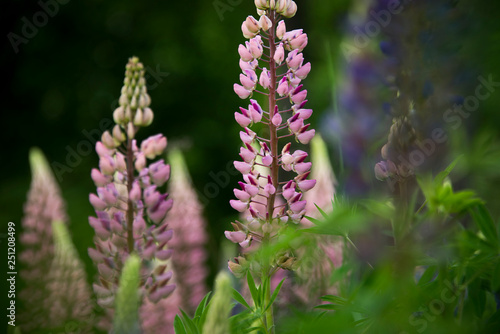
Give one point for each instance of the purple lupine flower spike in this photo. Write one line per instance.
(272, 65)
(130, 206)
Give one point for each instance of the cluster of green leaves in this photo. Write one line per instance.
(433, 268)
(184, 324)
(252, 318)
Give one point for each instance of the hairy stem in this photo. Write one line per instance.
(272, 104)
(274, 153)
(130, 205)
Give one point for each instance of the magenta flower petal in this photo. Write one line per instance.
(306, 184)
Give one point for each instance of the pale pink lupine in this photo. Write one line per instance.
(69, 300)
(327, 253)
(158, 318)
(190, 237)
(39, 258)
(275, 175)
(272, 65)
(130, 206)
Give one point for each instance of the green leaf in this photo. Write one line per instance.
(427, 276)
(179, 326)
(239, 298)
(442, 175)
(201, 307)
(275, 294)
(334, 299)
(485, 224)
(330, 307)
(495, 280)
(189, 323)
(477, 297)
(254, 291)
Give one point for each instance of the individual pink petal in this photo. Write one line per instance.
(298, 206)
(99, 179)
(241, 91)
(246, 32)
(265, 78)
(97, 203)
(235, 237)
(302, 167)
(299, 97)
(276, 120)
(242, 120)
(303, 71)
(281, 28)
(267, 160)
(246, 155)
(247, 82)
(296, 125)
(305, 137)
(242, 167)
(252, 24)
(304, 113)
(294, 60)
(283, 87)
(164, 254)
(244, 53)
(279, 54)
(241, 195)
(238, 205)
(306, 184)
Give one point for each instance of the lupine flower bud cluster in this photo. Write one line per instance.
(130, 207)
(402, 138)
(272, 65)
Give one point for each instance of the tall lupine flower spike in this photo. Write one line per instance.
(189, 255)
(69, 294)
(43, 206)
(271, 59)
(131, 209)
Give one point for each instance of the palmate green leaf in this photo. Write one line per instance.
(239, 298)
(179, 327)
(485, 224)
